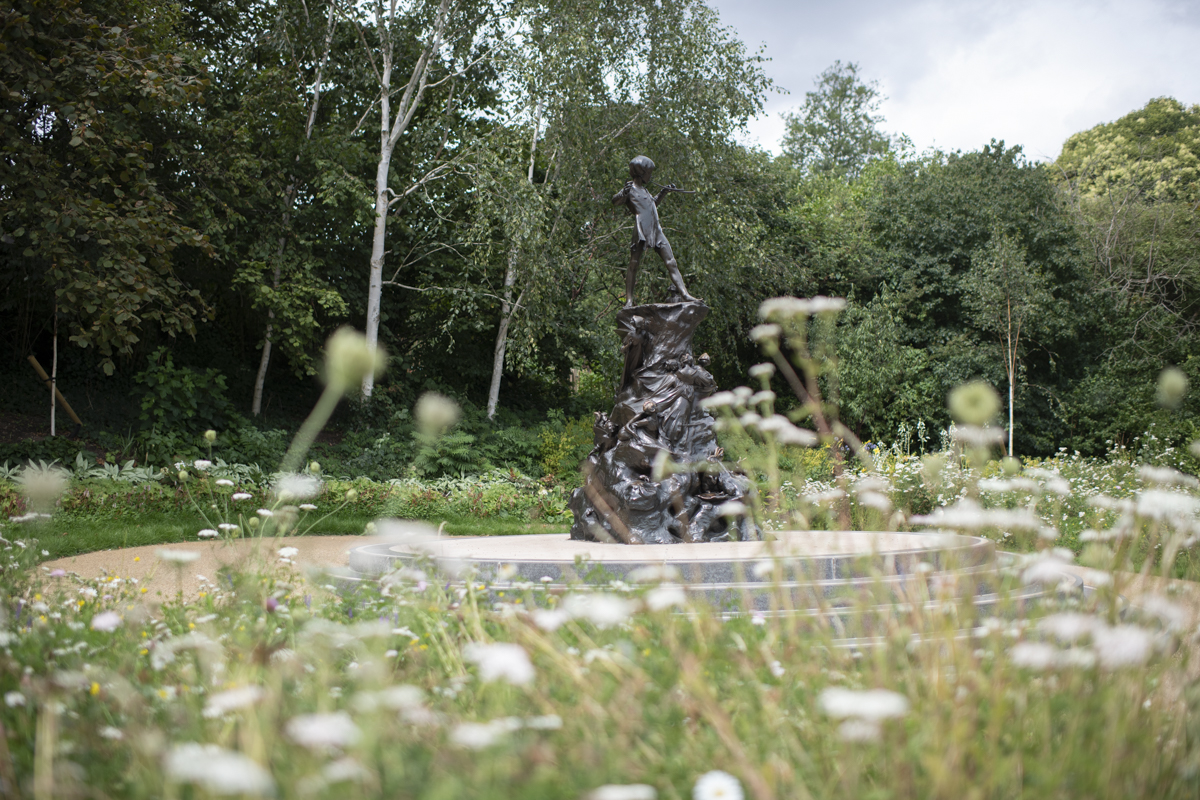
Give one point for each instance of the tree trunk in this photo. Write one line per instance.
(506, 311)
(507, 307)
(375, 287)
(1010, 417)
(261, 379)
(54, 370)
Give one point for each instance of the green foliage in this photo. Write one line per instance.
(492, 495)
(883, 380)
(565, 443)
(835, 134)
(50, 449)
(181, 399)
(932, 223)
(452, 453)
(87, 107)
(1131, 187)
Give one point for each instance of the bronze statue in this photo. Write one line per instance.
(657, 412)
(647, 232)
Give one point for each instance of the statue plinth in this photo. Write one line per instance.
(658, 416)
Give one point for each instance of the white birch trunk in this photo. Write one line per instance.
(1010, 417)
(260, 380)
(375, 285)
(507, 307)
(54, 371)
(506, 312)
(390, 132)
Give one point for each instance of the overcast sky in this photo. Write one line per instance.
(958, 73)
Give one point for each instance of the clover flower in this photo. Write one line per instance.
(767, 332)
(860, 730)
(623, 791)
(176, 556)
(784, 431)
(974, 403)
(717, 785)
(478, 735)
(218, 770)
(1166, 476)
(785, 309)
(349, 358)
(1172, 387)
(1122, 646)
(501, 661)
(762, 370)
(601, 609)
(241, 496)
(550, 619)
(873, 704)
(297, 486)
(436, 413)
(665, 596)
(733, 508)
(224, 482)
(107, 621)
(222, 703)
(718, 400)
(323, 731)
(42, 486)
(208, 533)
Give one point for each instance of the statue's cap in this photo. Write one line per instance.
(640, 165)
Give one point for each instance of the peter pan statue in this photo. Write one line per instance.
(647, 232)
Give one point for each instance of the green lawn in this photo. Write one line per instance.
(63, 536)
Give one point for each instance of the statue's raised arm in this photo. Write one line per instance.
(647, 230)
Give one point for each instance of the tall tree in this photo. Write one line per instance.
(836, 132)
(89, 103)
(1008, 296)
(1134, 188)
(592, 86)
(932, 222)
(414, 51)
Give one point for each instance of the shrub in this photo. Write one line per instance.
(181, 398)
(563, 444)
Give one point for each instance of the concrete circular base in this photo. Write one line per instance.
(846, 577)
(795, 555)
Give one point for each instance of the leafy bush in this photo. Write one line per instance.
(181, 398)
(50, 449)
(564, 443)
(493, 494)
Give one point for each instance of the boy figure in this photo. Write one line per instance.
(647, 232)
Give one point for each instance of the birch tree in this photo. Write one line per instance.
(272, 297)
(590, 86)
(417, 49)
(1007, 295)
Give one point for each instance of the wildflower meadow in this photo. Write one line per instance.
(281, 681)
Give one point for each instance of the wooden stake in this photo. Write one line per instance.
(62, 401)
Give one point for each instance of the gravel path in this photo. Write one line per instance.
(162, 580)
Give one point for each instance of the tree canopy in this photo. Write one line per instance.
(220, 179)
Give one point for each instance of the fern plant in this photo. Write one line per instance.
(451, 454)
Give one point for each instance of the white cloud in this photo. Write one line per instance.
(958, 74)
